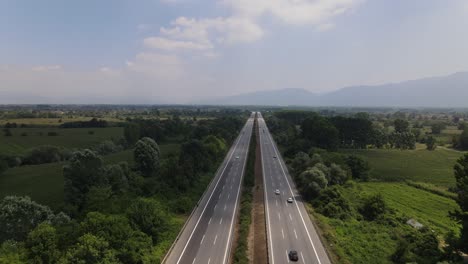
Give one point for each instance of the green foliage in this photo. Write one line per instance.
(402, 140)
(148, 216)
(461, 176)
(146, 155)
(463, 140)
(41, 245)
(359, 167)
(437, 128)
(300, 163)
(44, 154)
(107, 147)
(337, 175)
(311, 182)
(332, 203)
(418, 246)
(373, 207)
(401, 126)
(20, 215)
(130, 246)
(431, 143)
(12, 252)
(90, 249)
(321, 132)
(131, 133)
(83, 171)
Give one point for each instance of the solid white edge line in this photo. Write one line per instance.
(294, 198)
(237, 199)
(209, 199)
(266, 198)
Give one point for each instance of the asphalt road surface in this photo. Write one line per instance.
(208, 233)
(288, 224)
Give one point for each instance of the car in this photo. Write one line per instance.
(274, 157)
(237, 157)
(290, 200)
(277, 192)
(293, 256)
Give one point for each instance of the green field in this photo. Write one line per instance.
(363, 242)
(44, 183)
(435, 167)
(68, 138)
(52, 121)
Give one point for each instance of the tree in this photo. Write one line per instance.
(20, 215)
(131, 133)
(12, 252)
(300, 162)
(332, 203)
(312, 182)
(337, 175)
(43, 154)
(431, 143)
(461, 177)
(90, 249)
(463, 140)
(148, 216)
(401, 126)
(437, 128)
(146, 156)
(130, 245)
(359, 167)
(321, 132)
(41, 245)
(83, 171)
(373, 207)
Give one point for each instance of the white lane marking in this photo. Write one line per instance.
(229, 195)
(224, 207)
(279, 216)
(297, 206)
(209, 199)
(290, 216)
(283, 192)
(216, 238)
(209, 260)
(209, 221)
(295, 233)
(194, 260)
(224, 186)
(230, 187)
(266, 201)
(235, 205)
(221, 221)
(219, 197)
(276, 202)
(203, 238)
(302, 257)
(282, 232)
(216, 205)
(287, 256)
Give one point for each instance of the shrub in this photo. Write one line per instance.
(373, 207)
(43, 154)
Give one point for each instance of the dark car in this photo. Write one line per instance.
(293, 255)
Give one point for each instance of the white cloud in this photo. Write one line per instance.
(168, 44)
(159, 66)
(44, 68)
(295, 12)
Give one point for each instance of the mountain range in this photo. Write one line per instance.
(446, 91)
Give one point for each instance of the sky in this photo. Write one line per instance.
(181, 51)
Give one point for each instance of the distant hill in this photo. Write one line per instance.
(446, 91)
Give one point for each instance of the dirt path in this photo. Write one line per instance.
(258, 253)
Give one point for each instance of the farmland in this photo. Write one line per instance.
(435, 167)
(23, 139)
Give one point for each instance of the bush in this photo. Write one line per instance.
(373, 207)
(332, 203)
(43, 154)
(107, 147)
(52, 134)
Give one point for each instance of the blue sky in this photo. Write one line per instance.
(155, 51)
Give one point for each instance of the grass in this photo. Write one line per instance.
(355, 241)
(435, 167)
(68, 138)
(44, 183)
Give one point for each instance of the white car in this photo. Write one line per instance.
(237, 157)
(290, 200)
(277, 192)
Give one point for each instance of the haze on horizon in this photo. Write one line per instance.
(178, 51)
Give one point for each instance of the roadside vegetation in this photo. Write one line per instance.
(122, 199)
(378, 184)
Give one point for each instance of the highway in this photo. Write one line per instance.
(288, 224)
(207, 235)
